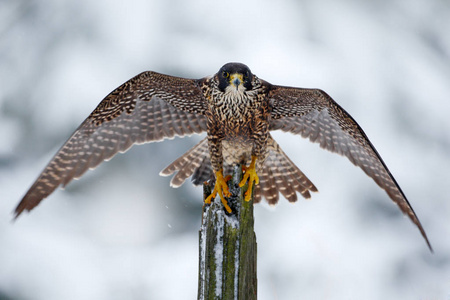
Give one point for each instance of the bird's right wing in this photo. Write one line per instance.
(149, 107)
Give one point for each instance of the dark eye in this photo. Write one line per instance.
(225, 74)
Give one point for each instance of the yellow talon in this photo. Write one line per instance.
(250, 174)
(220, 187)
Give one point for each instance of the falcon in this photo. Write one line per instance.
(237, 110)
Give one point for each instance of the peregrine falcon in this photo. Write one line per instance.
(237, 110)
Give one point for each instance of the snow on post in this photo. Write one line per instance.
(227, 260)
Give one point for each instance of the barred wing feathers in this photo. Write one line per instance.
(313, 114)
(149, 107)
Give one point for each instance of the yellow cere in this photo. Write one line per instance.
(235, 76)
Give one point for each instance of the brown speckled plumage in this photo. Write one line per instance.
(238, 120)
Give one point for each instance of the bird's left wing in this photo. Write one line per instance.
(312, 114)
(149, 107)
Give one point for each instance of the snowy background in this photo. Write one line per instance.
(121, 232)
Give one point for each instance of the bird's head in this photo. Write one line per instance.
(235, 77)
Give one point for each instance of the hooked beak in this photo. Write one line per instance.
(236, 80)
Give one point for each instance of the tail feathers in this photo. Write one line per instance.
(204, 172)
(195, 160)
(278, 175)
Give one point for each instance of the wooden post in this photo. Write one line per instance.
(227, 264)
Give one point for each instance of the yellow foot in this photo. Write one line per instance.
(220, 187)
(250, 174)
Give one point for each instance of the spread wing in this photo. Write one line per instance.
(312, 114)
(149, 107)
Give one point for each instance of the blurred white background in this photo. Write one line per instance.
(121, 232)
